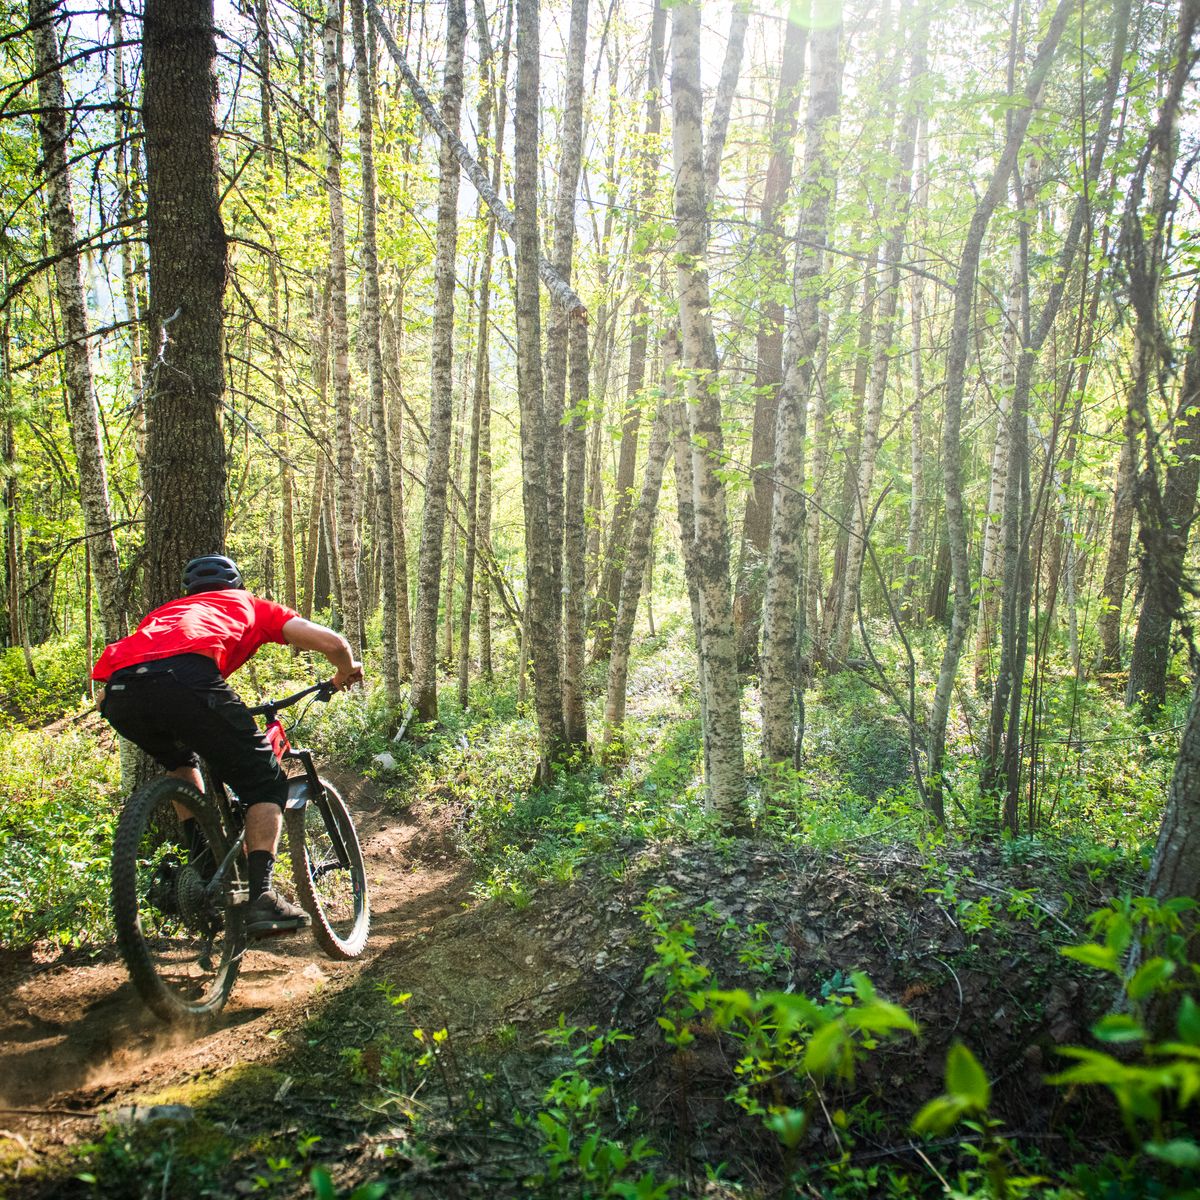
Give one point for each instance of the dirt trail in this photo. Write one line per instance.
(74, 1035)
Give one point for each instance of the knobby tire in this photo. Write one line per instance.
(333, 894)
(146, 827)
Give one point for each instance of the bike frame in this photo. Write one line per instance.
(303, 789)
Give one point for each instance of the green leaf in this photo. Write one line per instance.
(966, 1079)
(881, 1016)
(1103, 958)
(825, 1052)
(938, 1115)
(322, 1184)
(1149, 977)
(1094, 1067)
(1187, 1021)
(1118, 1028)
(788, 1125)
(1182, 1152)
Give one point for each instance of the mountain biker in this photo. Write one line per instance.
(165, 691)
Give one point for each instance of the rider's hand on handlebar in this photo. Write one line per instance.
(347, 678)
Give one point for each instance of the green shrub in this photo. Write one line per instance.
(59, 681)
(61, 802)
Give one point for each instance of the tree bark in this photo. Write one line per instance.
(287, 523)
(1165, 541)
(185, 449)
(1175, 868)
(781, 689)
(1116, 564)
(346, 485)
(395, 435)
(77, 367)
(1164, 511)
(956, 361)
(562, 328)
(636, 559)
(560, 291)
(479, 489)
(898, 202)
(1002, 752)
(372, 333)
(731, 68)
(429, 560)
(618, 531)
(543, 605)
(768, 371)
(716, 644)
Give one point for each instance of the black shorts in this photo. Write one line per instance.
(180, 707)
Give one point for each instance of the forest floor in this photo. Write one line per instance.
(346, 1066)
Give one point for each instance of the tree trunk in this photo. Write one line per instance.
(83, 409)
(618, 530)
(1175, 868)
(185, 450)
(731, 68)
(575, 543)
(1002, 751)
(1164, 512)
(768, 371)
(543, 605)
(1116, 564)
(716, 645)
(1165, 543)
(346, 486)
(433, 523)
(287, 530)
(956, 361)
(319, 311)
(481, 406)
(914, 542)
(635, 568)
(395, 436)
(561, 329)
(781, 689)
(372, 334)
(898, 202)
(991, 567)
(132, 265)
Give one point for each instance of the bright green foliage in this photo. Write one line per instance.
(60, 680)
(574, 1143)
(323, 1188)
(61, 800)
(1158, 1089)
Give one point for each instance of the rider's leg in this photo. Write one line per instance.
(189, 774)
(264, 823)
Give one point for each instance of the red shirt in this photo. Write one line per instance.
(227, 626)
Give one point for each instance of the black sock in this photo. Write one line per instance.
(261, 862)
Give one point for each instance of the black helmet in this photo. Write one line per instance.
(210, 573)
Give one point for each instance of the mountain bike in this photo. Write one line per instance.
(178, 909)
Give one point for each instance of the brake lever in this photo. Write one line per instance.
(325, 692)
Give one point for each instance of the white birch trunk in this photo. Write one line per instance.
(437, 470)
(346, 489)
(717, 646)
(779, 683)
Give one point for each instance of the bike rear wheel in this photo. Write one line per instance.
(180, 938)
(329, 872)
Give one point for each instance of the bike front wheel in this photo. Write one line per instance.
(329, 872)
(176, 931)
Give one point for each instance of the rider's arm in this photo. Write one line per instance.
(308, 635)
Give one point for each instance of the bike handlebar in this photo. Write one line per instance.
(323, 691)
